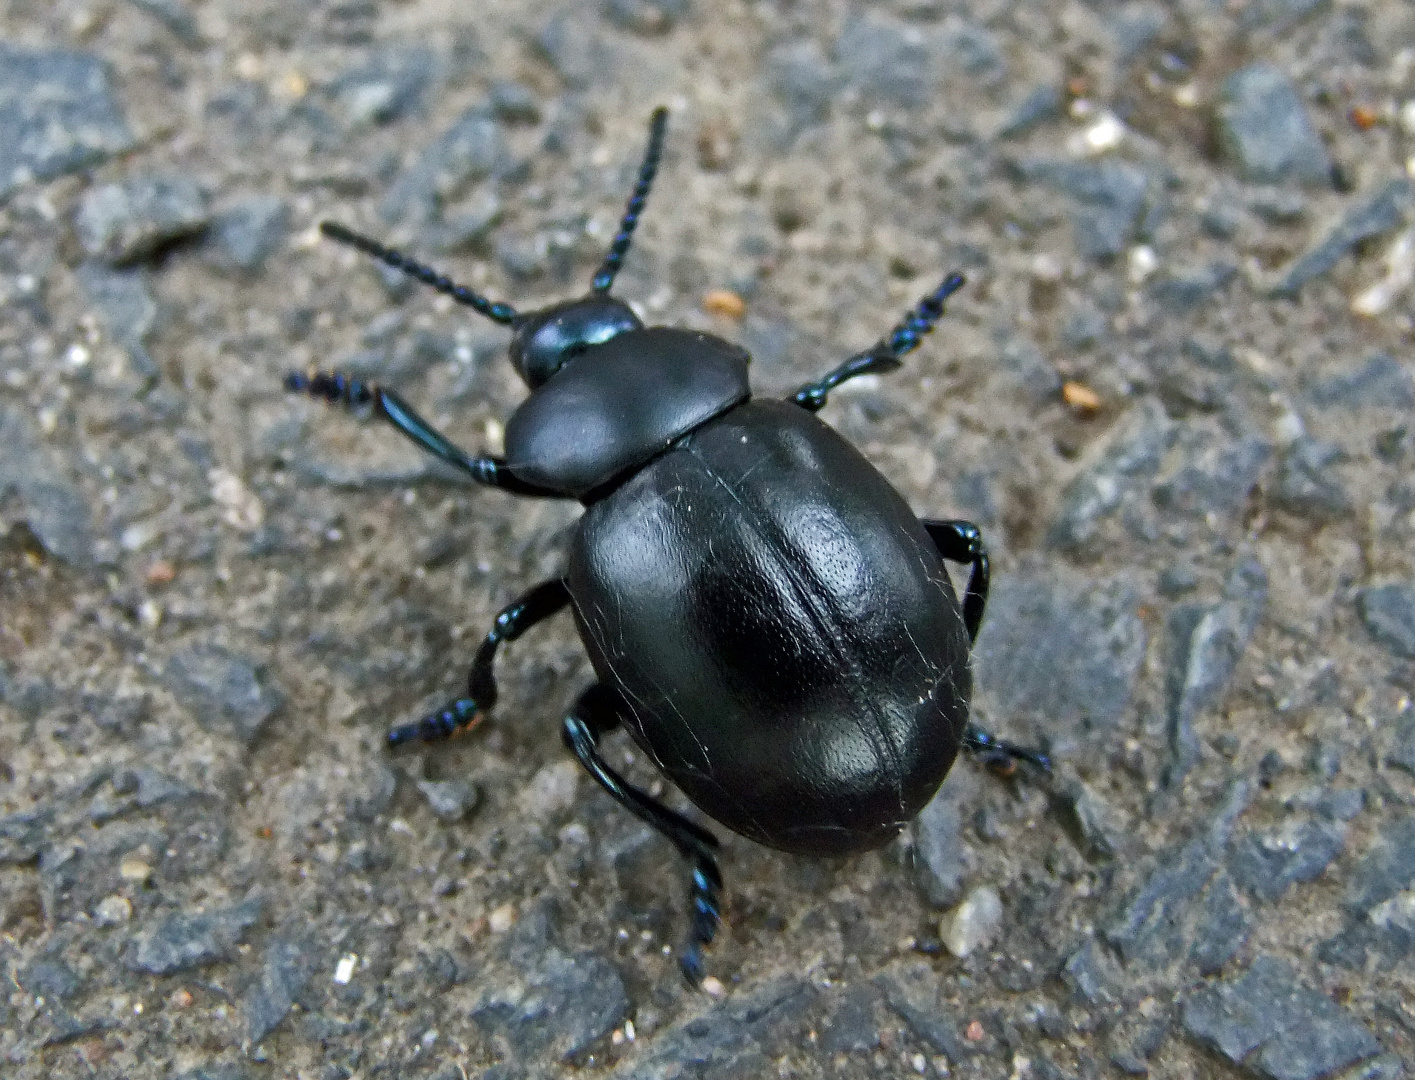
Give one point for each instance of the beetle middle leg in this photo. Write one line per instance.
(597, 711)
(962, 542)
(514, 620)
(339, 389)
(887, 353)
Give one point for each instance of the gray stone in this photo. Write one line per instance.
(1279, 206)
(246, 235)
(1204, 645)
(152, 788)
(1041, 105)
(645, 16)
(913, 992)
(181, 942)
(801, 78)
(1215, 475)
(286, 971)
(1134, 26)
(1389, 614)
(1084, 327)
(1222, 927)
(175, 16)
(853, 1027)
(386, 86)
(1298, 1034)
(450, 800)
(1267, 863)
(726, 1040)
(126, 222)
(58, 114)
(125, 305)
(1386, 1067)
(1306, 486)
(1401, 752)
(215, 1072)
(1182, 291)
(565, 1003)
(1092, 974)
(513, 102)
(1025, 362)
(1265, 130)
(1065, 652)
(470, 150)
(1381, 382)
(1381, 213)
(53, 506)
(941, 855)
(975, 51)
(1177, 581)
(1109, 194)
(1275, 15)
(579, 55)
(225, 692)
(22, 835)
(51, 979)
(1130, 457)
(1095, 822)
(1387, 868)
(885, 60)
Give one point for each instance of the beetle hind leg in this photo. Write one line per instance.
(1000, 755)
(465, 713)
(597, 711)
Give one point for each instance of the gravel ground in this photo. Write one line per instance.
(1176, 394)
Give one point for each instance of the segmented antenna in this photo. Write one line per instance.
(604, 277)
(497, 312)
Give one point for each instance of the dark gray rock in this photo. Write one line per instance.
(913, 992)
(126, 222)
(1386, 1067)
(1130, 457)
(1214, 475)
(48, 978)
(1279, 206)
(801, 77)
(450, 800)
(175, 16)
(1401, 752)
(1084, 327)
(726, 1040)
(1277, 15)
(941, 856)
(1297, 1033)
(1381, 213)
(561, 1004)
(287, 970)
(53, 506)
(244, 236)
(125, 305)
(579, 55)
(1389, 614)
(58, 114)
(215, 1072)
(1204, 644)
(853, 1027)
(1096, 823)
(22, 835)
(1265, 130)
(151, 788)
(1177, 580)
(225, 692)
(975, 51)
(472, 149)
(513, 102)
(1222, 927)
(1306, 486)
(1387, 868)
(1182, 291)
(1109, 194)
(181, 942)
(1041, 105)
(1267, 863)
(385, 87)
(1093, 975)
(1381, 382)
(1066, 652)
(1025, 362)
(645, 16)
(885, 60)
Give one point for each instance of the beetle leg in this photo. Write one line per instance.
(999, 752)
(962, 542)
(597, 711)
(514, 620)
(887, 353)
(340, 389)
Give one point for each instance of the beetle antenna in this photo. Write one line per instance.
(496, 312)
(905, 337)
(604, 277)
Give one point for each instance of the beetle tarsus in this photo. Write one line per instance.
(887, 353)
(989, 749)
(458, 716)
(598, 710)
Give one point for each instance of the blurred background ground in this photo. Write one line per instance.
(1176, 394)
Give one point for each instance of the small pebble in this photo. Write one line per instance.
(112, 910)
(160, 573)
(724, 302)
(1081, 398)
(973, 923)
(502, 919)
(712, 986)
(974, 1033)
(135, 870)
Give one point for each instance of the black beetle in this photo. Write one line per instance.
(765, 613)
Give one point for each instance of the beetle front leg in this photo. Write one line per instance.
(514, 620)
(339, 389)
(962, 542)
(598, 711)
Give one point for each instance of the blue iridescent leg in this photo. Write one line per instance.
(999, 754)
(515, 619)
(598, 711)
(886, 354)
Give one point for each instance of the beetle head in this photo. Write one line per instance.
(544, 340)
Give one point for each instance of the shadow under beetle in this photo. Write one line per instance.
(764, 612)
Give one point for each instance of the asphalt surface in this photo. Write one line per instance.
(1176, 394)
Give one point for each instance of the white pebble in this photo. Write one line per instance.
(973, 923)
